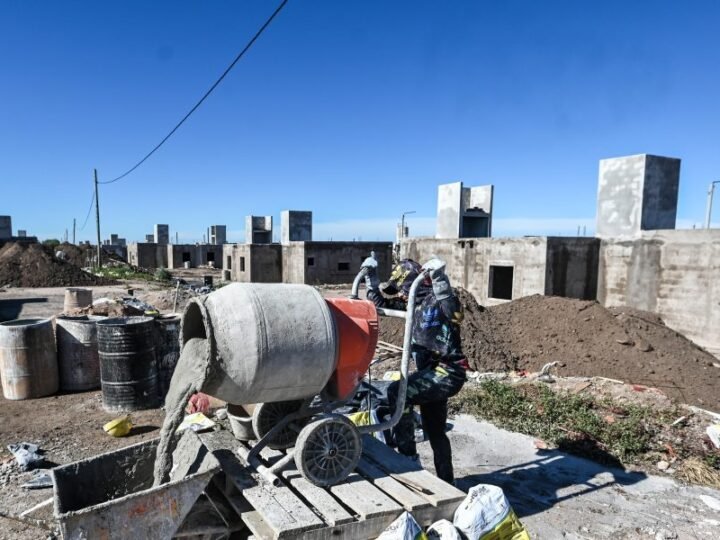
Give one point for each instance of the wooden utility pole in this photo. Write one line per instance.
(73, 231)
(97, 222)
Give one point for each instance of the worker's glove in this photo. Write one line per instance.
(372, 282)
(440, 282)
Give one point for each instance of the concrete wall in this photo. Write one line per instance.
(294, 262)
(147, 255)
(464, 212)
(448, 210)
(673, 273)
(217, 234)
(540, 265)
(339, 262)
(162, 234)
(258, 229)
(572, 267)
(253, 263)
(196, 254)
(295, 226)
(469, 262)
(5, 227)
(636, 193)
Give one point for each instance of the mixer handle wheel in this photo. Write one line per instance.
(267, 415)
(328, 450)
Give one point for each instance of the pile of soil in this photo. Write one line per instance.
(35, 265)
(586, 340)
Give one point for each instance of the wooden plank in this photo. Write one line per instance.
(355, 530)
(283, 512)
(363, 498)
(324, 503)
(410, 500)
(437, 491)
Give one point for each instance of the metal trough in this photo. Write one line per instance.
(111, 496)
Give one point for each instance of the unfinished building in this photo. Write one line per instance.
(637, 259)
(299, 259)
(147, 255)
(194, 254)
(162, 234)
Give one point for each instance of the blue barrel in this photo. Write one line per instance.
(128, 367)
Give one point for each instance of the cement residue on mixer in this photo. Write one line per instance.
(187, 379)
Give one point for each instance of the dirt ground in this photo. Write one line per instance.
(585, 339)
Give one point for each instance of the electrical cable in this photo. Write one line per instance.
(88, 212)
(217, 82)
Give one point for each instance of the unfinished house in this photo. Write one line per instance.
(464, 212)
(147, 255)
(194, 254)
(644, 262)
(299, 259)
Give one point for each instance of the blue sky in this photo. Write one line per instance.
(354, 110)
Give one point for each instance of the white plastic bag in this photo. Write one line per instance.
(486, 514)
(443, 530)
(403, 528)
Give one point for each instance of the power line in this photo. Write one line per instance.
(88, 212)
(217, 82)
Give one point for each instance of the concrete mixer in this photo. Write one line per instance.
(297, 357)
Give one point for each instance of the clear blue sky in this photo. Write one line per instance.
(355, 110)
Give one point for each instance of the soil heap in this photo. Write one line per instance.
(35, 265)
(587, 340)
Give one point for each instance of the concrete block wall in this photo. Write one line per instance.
(217, 234)
(636, 193)
(470, 262)
(339, 262)
(539, 265)
(253, 263)
(295, 226)
(675, 274)
(5, 227)
(162, 234)
(196, 254)
(258, 229)
(147, 255)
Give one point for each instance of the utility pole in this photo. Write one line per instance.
(711, 192)
(73, 231)
(97, 222)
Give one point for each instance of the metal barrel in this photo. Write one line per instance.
(28, 361)
(77, 350)
(128, 368)
(167, 350)
(76, 298)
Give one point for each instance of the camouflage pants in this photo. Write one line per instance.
(430, 388)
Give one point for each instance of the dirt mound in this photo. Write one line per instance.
(587, 340)
(34, 265)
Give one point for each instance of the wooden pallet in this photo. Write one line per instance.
(384, 485)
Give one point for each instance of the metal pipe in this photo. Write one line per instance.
(281, 463)
(407, 341)
(392, 313)
(356, 283)
(711, 193)
(255, 463)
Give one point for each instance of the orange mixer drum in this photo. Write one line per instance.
(356, 322)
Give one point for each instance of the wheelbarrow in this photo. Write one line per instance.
(325, 446)
(112, 495)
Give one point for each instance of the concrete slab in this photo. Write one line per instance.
(557, 495)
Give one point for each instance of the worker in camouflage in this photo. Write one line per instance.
(440, 374)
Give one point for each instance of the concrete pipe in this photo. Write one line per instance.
(265, 342)
(76, 298)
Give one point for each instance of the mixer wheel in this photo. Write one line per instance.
(328, 450)
(268, 415)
